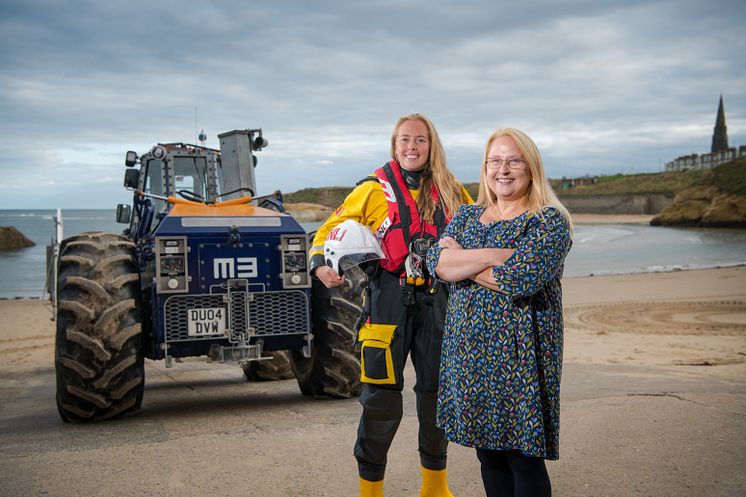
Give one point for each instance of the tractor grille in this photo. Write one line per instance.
(248, 314)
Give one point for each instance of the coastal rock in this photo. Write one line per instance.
(306, 212)
(11, 238)
(697, 193)
(703, 206)
(725, 210)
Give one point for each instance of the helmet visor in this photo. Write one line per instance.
(351, 260)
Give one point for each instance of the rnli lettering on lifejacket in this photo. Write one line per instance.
(385, 225)
(388, 190)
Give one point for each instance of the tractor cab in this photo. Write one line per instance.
(174, 172)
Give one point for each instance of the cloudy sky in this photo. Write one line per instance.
(602, 86)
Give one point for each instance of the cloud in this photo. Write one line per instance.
(602, 86)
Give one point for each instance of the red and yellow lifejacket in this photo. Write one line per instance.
(403, 223)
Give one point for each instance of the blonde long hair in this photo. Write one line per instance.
(436, 173)
(540, 193)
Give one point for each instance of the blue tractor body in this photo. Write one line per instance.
(223, 274)
(206, 268)
(234, 294)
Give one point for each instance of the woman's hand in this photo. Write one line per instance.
(328, 276)
(485, 279)
(449, 243)
(502, 255)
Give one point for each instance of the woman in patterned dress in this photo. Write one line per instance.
(502, 343)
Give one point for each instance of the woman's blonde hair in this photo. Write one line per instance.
(540, 193)
(436, 173)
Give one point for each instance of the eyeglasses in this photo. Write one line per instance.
(512, 163)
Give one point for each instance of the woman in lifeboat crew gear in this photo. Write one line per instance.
(412, 196)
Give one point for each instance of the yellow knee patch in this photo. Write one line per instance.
(376, 362)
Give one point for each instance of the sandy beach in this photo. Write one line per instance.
(653, 404)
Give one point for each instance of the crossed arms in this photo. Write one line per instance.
(457, 263)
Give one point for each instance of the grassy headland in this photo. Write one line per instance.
(726, 182)
(329, 196)
(730, 178)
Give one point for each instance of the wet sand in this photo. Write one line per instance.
(611, 218)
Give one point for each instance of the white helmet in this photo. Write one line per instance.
(350, 244)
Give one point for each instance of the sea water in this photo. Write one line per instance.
(598, 249)
(23, 271)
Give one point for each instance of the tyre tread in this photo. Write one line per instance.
(99, 352)
(334, 367)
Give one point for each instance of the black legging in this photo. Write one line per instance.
(508, 473)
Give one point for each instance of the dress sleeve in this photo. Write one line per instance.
(539, 256)
(455, 230)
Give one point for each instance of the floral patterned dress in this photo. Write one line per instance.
(502, 350)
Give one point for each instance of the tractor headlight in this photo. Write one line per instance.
(172, 272)
(294, 261)
(130, 159)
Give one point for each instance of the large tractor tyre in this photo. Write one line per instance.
(277, 368)
(99, 344)
(333, 369)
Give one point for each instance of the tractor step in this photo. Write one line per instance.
(221, 353)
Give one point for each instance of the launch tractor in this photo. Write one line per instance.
(206, 268)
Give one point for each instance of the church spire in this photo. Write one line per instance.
(720, 134)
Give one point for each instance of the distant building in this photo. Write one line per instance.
(567, 183)
(720, 152)
(720, 133)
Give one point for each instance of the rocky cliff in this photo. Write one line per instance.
(716, 199)
(706, 206)
(305, 212)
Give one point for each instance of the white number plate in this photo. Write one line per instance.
(206, 321)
